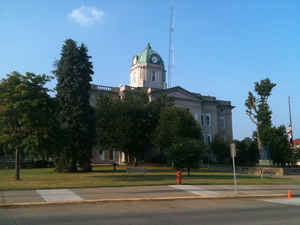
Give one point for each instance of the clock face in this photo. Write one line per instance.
(154, 59)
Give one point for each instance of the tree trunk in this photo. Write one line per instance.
(128, 159)
(135, 162)
(114, 166)
(60, 164)
(17, 164)
(86, 165)
(73, 166)
(258, 140)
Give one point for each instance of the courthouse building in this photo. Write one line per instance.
(148, 71)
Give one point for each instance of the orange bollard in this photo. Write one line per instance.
(289, 194)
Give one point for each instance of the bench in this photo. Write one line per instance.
(131, 170)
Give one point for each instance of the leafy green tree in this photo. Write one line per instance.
(186, 153)
(107, 122)
(137, 136)
(220, 149)
(25, 111)
(174, 124)
(124, 124)
(259, 111)
(128, 124)
(179, 137)
(295, 155)
(76, 116)
(247, 151)
(279, 146)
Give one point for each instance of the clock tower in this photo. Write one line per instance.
(147, 70)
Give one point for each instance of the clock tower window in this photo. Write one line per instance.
(153, 78)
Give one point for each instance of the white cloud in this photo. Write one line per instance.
(86, 15)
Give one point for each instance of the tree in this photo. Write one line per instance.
(175, 126)
(247, 151)
(73, 72)
(279, 145)
(128, 124)
(124, 124)
(259, 111)
(107, 122)
(25, 111)
(220, 149)
(155, 108)
(186, 153)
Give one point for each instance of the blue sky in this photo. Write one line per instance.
(221, 47)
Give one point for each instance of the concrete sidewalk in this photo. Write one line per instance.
(142, 193)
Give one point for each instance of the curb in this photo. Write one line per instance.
(238, 196)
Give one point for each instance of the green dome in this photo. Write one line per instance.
(146, 55)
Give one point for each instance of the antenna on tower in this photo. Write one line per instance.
(171, 48)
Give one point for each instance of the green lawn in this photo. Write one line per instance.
(102, 176)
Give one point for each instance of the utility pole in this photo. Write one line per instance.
(290, 131)
(171, 48)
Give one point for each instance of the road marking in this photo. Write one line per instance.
(59, 195)
(286, 201)
(195, 190)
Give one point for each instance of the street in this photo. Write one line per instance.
(207, 212)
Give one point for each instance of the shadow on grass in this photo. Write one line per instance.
(166, 177)
(110, 170)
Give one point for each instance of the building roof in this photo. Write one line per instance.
(198, 96)
(297, 141)
(145, 55)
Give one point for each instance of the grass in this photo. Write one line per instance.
(103, 176)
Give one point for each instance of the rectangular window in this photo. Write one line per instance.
(208, 139)
(222, 122)
(202, 121)
(196, 116)
(208, 120)
(153, 76)
(134, 78)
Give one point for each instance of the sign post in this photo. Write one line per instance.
(233, 155)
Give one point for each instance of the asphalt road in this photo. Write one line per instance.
(204, 212)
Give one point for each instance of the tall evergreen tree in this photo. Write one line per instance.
(73, 72)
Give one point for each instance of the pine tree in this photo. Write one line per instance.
(73, 72)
